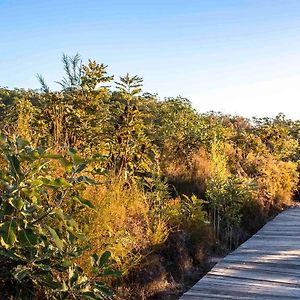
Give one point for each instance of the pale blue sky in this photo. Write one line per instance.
(232, 56)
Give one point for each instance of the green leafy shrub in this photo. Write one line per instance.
(226, 199)
(187, 212)
(39, 241)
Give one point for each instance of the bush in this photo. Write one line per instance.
(186, 212)
(226, 200)
(277, 182)
(40, 242)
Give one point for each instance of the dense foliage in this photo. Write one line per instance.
(142, 169)
(39, 240)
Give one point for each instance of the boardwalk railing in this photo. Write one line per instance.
(267, 266)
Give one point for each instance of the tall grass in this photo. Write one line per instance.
(123, 223)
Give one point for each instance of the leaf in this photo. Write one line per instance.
(8, 232)
(16, 202)
(84, 202)
(73, 275)
(61, 182)
(20, 273)
(37, 168)
(86, 180)
(89, 295)
(94, 259)
(7, 209)
(65, 163)
(100, 171)
(102, 288)
(111, 273)
(104, 259)
(12, 255)
(75, 157)
(49, 281)
(28, 238)
(79, 235)
(15, 166)
(43, 267)
(66, 263)
(53, 156)
(59, 243)
(59, 213)
(34, 154)
(58, 183)
(37, 182)
(72, 151)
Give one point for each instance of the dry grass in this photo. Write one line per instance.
(122, 223)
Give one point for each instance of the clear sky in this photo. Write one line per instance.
(238, 56)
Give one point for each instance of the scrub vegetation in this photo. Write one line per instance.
(110, 192)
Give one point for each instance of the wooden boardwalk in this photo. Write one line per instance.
(267, 266)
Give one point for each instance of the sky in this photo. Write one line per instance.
(238, 57)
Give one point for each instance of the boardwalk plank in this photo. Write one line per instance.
(267, 266)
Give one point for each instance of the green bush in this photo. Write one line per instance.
(39, 241)
(187, 212)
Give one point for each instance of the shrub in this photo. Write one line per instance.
(226, 200)
(187, 213)
(277, 181)
(39, 241)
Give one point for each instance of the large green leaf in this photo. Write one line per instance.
(84, 202)
(101, 288)
(15, 166)
(7, 209)
(111, 273)
(8, 233)
(57, 183)
(48, 280)
(27, 238)
(59, 243)
(104, 259)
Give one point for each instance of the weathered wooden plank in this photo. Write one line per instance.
(249, 283)
(239, 294)
(251, 259)
(272, 267)
(257, 275)
(222, 292)
(267, 266)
